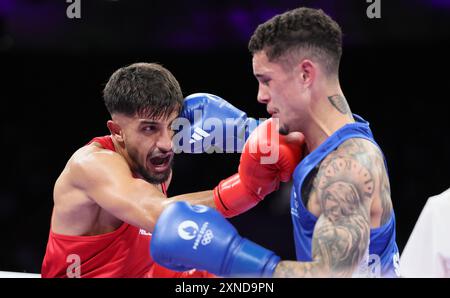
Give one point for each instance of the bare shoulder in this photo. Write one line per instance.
(92, 163)
(356, 154)
(354, 157)
(86, 169)
(86, 166)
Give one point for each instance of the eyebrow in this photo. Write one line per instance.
(261, 76)
(152, 122)
(149, 122)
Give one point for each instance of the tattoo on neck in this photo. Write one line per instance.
(340, 103)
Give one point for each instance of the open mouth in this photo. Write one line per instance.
(160, 163)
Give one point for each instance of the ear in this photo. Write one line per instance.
(115, 130)
(306, 72)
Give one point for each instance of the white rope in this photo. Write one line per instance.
(9, 274)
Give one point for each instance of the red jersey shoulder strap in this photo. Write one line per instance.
(164, 188)
(105, 141)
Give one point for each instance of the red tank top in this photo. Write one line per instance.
(124, 252)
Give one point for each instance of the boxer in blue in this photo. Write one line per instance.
(343, 217)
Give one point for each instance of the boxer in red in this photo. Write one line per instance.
(111, 192)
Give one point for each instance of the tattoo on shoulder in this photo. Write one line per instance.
(344, 179)
(372, 159)
(385, 192)
(340, 103)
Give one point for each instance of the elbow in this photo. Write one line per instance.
(152, 213)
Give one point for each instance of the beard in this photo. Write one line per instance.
(154, 178)
(147, 174)
(283, 130)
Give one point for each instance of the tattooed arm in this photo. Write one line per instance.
(344, 187)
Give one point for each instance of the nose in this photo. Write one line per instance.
(164, 142)
(263, 94)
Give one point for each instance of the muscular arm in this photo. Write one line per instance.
(344, 187)
(107, 180)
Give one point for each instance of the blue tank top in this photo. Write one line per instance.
(382, 257)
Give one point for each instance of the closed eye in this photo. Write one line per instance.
(265, 82)
(263, 79)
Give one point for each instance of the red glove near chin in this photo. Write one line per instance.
(267, 159)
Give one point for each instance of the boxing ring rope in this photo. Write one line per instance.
(9, 274)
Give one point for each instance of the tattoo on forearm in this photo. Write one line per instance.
(340, 103)
(298, 269)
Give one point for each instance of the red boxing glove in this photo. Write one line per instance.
(267, 159)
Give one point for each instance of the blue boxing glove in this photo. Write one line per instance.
(187, 237)
(208, 123)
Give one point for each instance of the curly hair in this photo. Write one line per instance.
(144, 89)
(303, 30)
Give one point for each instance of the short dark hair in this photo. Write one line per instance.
(144, 89)
(302, 29)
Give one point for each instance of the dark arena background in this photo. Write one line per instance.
(394, 72)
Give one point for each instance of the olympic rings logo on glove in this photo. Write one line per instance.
(207, 237)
